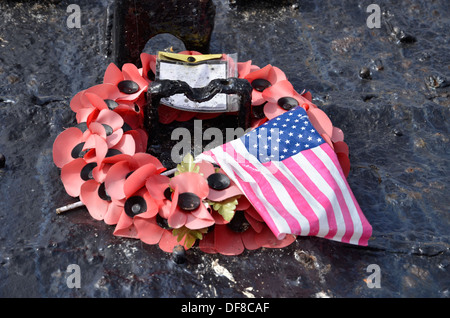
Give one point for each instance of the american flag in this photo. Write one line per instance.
(294, 180)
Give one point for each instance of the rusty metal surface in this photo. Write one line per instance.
(386, 88)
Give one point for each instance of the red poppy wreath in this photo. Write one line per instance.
(209, 202)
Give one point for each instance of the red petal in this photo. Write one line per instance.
(221, 195)
(110, 118)
(63, 145)
(113, 213)
(76, 103)
(199, 219)
(113, 75)
(156, 185)
(261, 73)
(272, 110)
(97, 129)
(207, 244)
(320, 121)
(70, 176)
(190, 182)
(249, 239)
(113, 139)
(96, 101)
(131, 72)
(125, 227)
(168, 242)
(206, 168)
(126, 145)
(148, 231)
(115, 180)
(167, 114)
(341, 146)
(105, 91)
(227, 241)
(338, 135)
(96, 207)
(267, 239)
(137, 179)
(185, 115)
(344, 162)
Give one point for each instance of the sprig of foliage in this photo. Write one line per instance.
(225, 208)
(189, 236)
(187, 165)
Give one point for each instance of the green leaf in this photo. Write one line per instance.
(189, 236)
(225, 208)
(187, 165)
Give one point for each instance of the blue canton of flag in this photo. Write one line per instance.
(282, 137)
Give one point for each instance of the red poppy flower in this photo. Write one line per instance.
(82, 141)
(95, 197)
(263, 79)
(221, 187)
(83, 104)
(129, 81)
(139, 204)
(119, 173)
(156, 230)
(151, 232)
(144, 194)
(188, 208)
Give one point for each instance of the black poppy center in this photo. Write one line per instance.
(162, 222)
(168, 194)
(287, 103)
(102, 193)
(82, 126)
(238, 223)
(135, 205)
(86, 172)
(111, 104)
(78, 152)
(188, 201)
(128, 87)
(108, 129)
(260, 84)
(218, 181)
(112, 152)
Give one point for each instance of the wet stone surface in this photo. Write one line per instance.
(395, 123)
